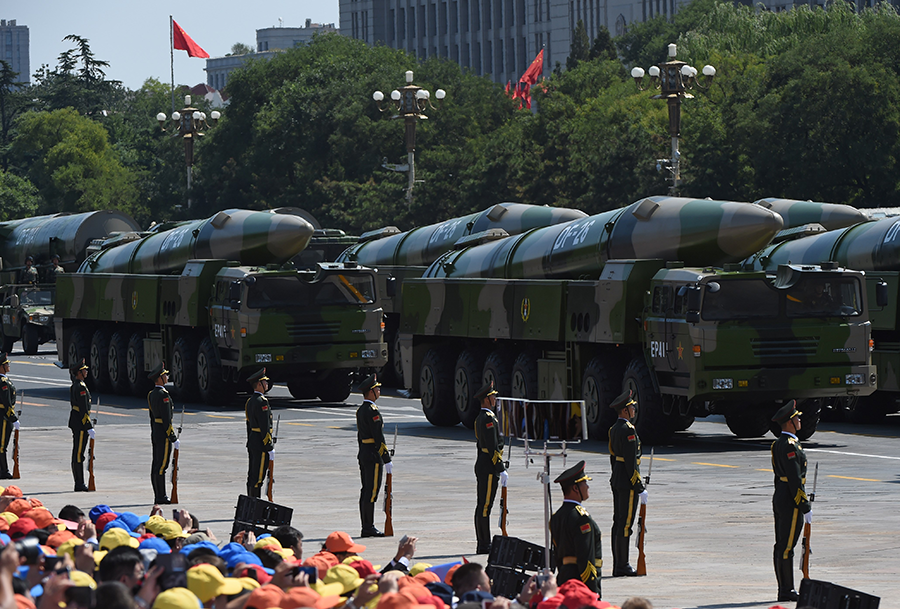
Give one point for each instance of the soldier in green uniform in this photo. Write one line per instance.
(7, 414)
(574, 534)
(489, 466)
(54, 269)
(789, 502)
(373, 453)
(79, 422)
(260, 444)
(626, 482)
(162, 435)
(29, 274)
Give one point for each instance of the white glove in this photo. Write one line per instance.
(16, 425)
(644, 495)
(807, 517)
(504, 478)
(91, 433)
(271, 455)
(388, 467)
(176, 444)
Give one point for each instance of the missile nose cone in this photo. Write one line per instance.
(254, 237)
(746, 229)
(288, 236)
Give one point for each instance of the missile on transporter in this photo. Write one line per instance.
(698, 232)
(422, 246)
(249, 237)
(64, 234)
(797, 213)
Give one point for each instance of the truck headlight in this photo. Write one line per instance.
(723, 384)
(855, 379)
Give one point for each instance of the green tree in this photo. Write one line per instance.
(18, 197)
(239, 48)
(13, 101)
(580, 48)
(603, 47)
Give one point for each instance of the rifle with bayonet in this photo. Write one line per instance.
(174, 497)
(15, 473)
(504, 504)
(271, 483)
(91, 484)
(807, 529)
(389, 496)
(642, 525)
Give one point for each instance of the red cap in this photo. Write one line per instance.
(105, 519)
(59, 538)
(362, 566)
(254, 572)
(339, 541)
(320, 563)
(12, 490)
(426, 577)
(304, 596)
(265, 597)
(21, 527)
(42, 517)
(19, 507)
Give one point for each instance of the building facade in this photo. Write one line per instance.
(268, 42)
(498, 38)
(15, 48)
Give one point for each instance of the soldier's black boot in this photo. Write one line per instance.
(78, 474)
(367, 517)
(784, 572)
(483, 534)
(4, 468)
(621, 568)
(159, 490)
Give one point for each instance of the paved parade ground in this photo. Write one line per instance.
(710, 526)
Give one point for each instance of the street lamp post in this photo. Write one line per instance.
(673, 79)
(408, 103)
(188, 124)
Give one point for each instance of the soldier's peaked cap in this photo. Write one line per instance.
(369, 383)
(786, 413)
(3, 359)
(573, 475)
(158, 371)
(622, 401)
(78, 366)
(259, 375)
(485, 391)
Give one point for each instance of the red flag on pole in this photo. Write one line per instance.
(533, 72)
(183, 42)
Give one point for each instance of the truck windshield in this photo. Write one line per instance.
(292, 291)
(744, 299)
(36, 297)
(823, 297)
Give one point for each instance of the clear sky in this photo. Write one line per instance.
(133, 36)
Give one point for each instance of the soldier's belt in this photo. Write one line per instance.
(484, 450)
(368, 440)
(256, 429)
(570, 560)
(622, 459)
(157, 420)
(75, 408)
(784, 479)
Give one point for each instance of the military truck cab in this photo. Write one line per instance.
(27, 314)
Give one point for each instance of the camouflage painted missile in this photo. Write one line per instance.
(868, 246)
(66, 235)
(797, 213)
(697, 232)
(249, 237)
(422, 246)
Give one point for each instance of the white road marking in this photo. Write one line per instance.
(840, 452)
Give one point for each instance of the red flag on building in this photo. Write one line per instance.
(533, 72)
(182, 42)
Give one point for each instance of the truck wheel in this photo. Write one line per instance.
(6, 342)
(466, 382)
(335, 387)
(525, 377)
(436, 389)
(78, 349)
(138, 383)
(498, 370)
(871, 409)
(752, 424)
(302, 388)
(599, 387)
(809, 420)
(30, 339)
(210, 382)
(184, 370)
(99, 371)
(652, 424)
(117, 363)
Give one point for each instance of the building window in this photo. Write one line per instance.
(392, 30)
(476, 16)
(401, 23)
(412, 22)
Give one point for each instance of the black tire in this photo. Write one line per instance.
(117, 363)
(682, 422)
(184, 370)
(335, 388)
(652, 424)
(599, 387)
(871, 409)
(6, 342)
(498, 369)
(135, 371)
(466, 383)
(99, 370)
(302, 388)
(30, 339)
(210, 382)
(78, 349)
(525, 377)
(436, 388)
(751, 424)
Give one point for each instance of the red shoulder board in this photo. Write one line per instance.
(265, 407)
(791, 455)
(586, 527)
(631, 438)
(376, 418)
(82, 393)
(489, 425)
(166, 399)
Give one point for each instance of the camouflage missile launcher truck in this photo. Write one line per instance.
(215, 301)
(568, 312)
(26, 309)
(871, 247)
(399, 256)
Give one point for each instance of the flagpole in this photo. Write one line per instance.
(172, 58)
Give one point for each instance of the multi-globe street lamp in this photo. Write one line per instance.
(188, 123)
(408, 103)
(673, 79)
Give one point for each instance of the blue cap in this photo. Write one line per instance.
(155, 543)
(97, 511)
(234, 553)
(200, 544)
(118, 524)
(476, 596)
(4, 538)
(132, 520)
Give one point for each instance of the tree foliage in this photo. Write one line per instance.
(580, 48)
